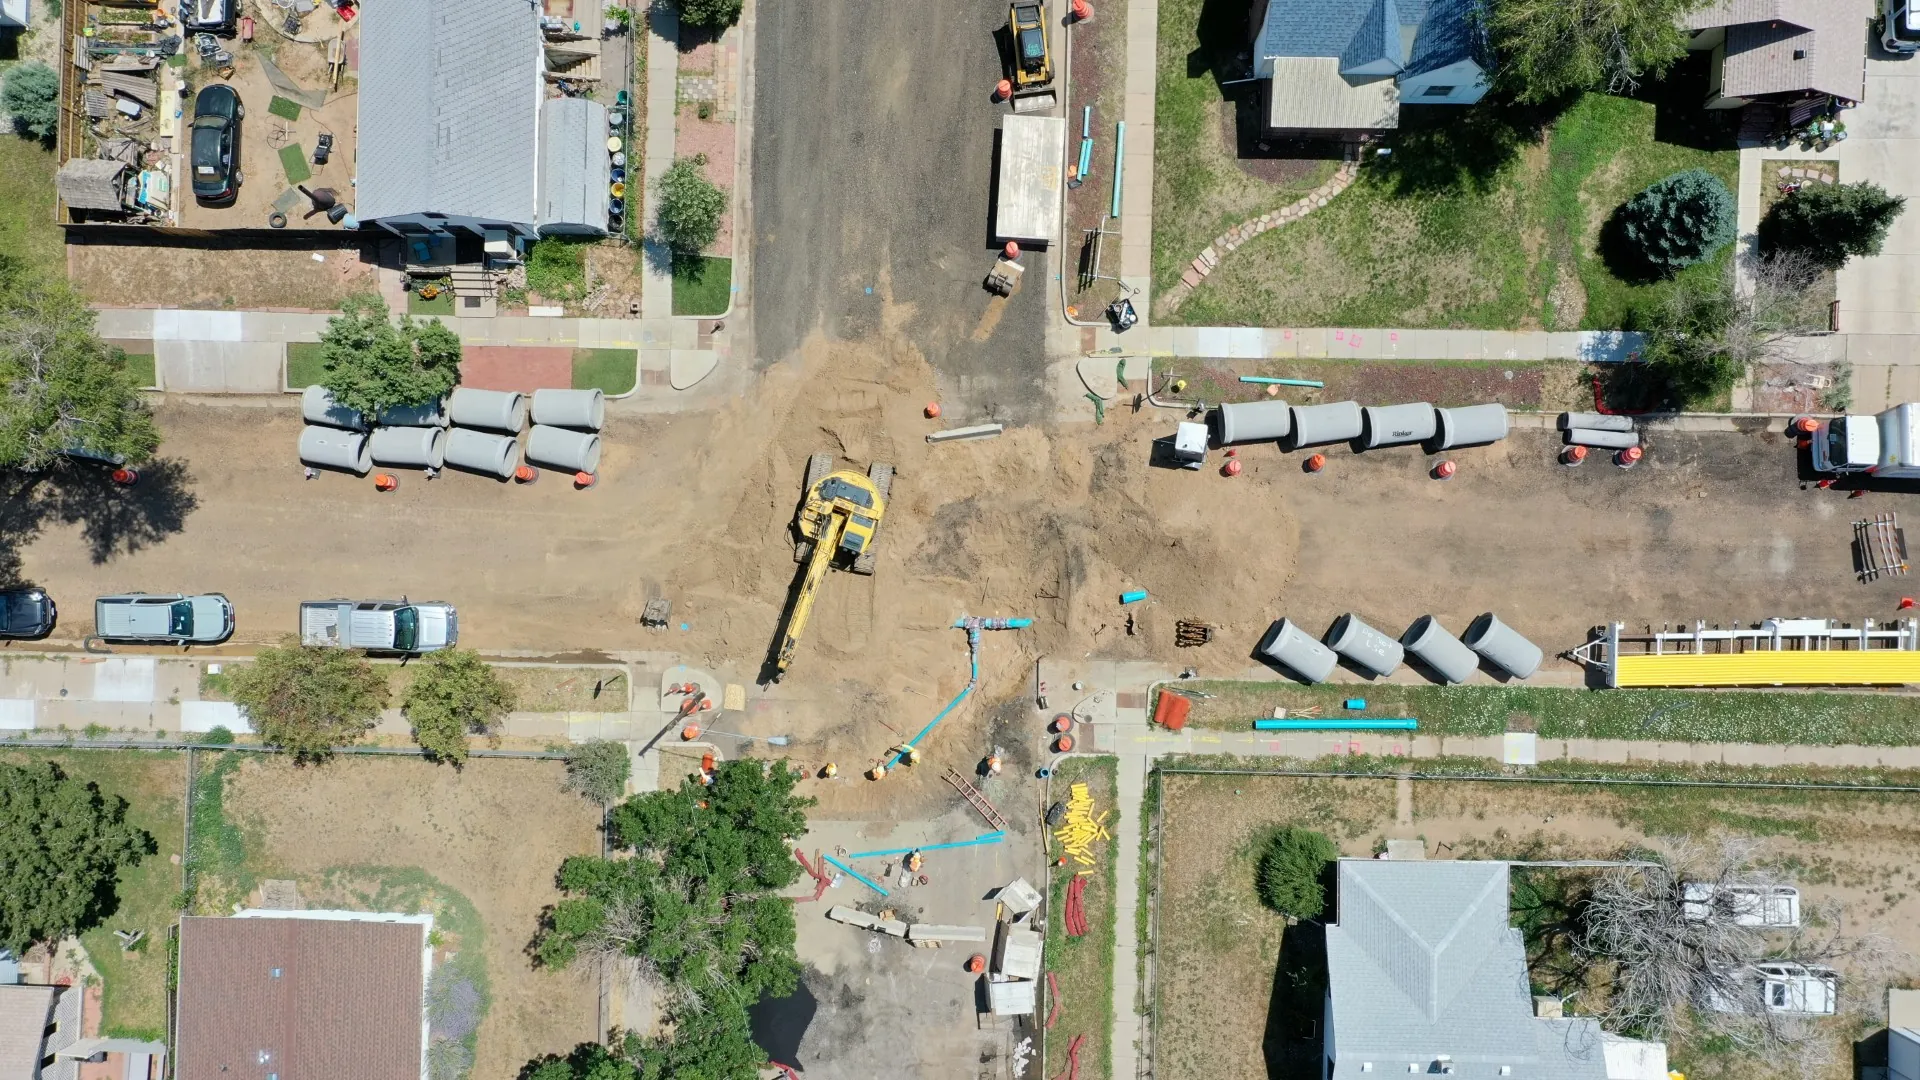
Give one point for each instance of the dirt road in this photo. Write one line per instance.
(873, 160)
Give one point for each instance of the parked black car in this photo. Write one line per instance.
(216, 144)
(26, 613)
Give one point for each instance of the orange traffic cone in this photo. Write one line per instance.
(690, 732)
(1316, 462)
(385, 481)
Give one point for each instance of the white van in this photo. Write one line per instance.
(1743, 905)
(1802, 989)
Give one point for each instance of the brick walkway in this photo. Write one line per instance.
(511, 367)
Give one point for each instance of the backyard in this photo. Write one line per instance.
(1084, 965)
(1850, 853)
(1486, 217)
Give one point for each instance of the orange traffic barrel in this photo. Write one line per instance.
(1061, 724)
(933, 410)
(526, 474)
(1003, 90)
(1316, 462)
(584, 480)
(1573, 455)
(1063, 744)
(690, 732)
(1445, 470)
(126, 477)
(1629, 457)
(976, 963)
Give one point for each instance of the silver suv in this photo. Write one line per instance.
(173, 619)
(1900, 26)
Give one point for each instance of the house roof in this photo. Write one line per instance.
(575, 168)
(1790, 46)
(299, 997)
(1423, 963)
(450, 96)
(25, 1012)
(91, 184)
(1417, 35)
(1308, 93)
(1449, 31)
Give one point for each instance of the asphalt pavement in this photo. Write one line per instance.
(872, 177)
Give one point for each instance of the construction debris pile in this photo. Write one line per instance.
(1081, 828)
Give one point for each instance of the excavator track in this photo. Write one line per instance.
(818, 466)
(881, 473)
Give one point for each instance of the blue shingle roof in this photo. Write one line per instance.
(1376, 39)
(1450, 32)
(1363, 32)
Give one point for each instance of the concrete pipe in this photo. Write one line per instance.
(1363, 645)
(1474, 425)
(1498, 644)
(432, 414)
(562, 448)
(582, 410)
(418, 447)
(477, 451)
(496, 410)
(333, 448)
(1610, 440)
(318, 407)
(1430, 643)
(1392, 425)
(1593, 421)
(1253, 421)
(1337, 421)
(1298, 652)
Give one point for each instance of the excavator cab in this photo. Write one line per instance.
(1032, 57)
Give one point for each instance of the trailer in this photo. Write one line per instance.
(1032, 150)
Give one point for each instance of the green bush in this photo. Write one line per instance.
(217, 735)
(690, 206)
(1292, 872)
(373, 363)
(1831, 222)
(30, 94)
(557, 269)
(598, 770)
(714, 14)
(1679, 221)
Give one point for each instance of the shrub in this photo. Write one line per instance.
(1679, 221)
(557, 269)
(598, 770)
(690, 206)
(454, 693)
(714, 14)
(217, 735)
(374, 363)
(30, 94)
(1830, 223)
(1292, 872)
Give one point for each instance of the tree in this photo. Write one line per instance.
(453, 694)
(588, 1061)
(598, 770)
(62, 846)
(1292, 872)
(1551, 48)
(30, 94)
(1831, 222)
(1679, 221)
(690, 206)
(1685, 346)
(309, 700)
(62, 387)
(713, 14)
(374, 363)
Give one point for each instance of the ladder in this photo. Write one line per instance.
(972, 794)
(1882, 547)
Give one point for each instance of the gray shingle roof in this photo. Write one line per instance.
(574, 164)
(1763, 37)
(1450, 31)
(24, 1014)
(450, 96)
(1376, 39)
(1422, 963)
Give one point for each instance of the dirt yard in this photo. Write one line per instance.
(483, 842)
(202, 272)
(1217, 943)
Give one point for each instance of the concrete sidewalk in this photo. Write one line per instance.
(663, 105)
(1362, 343)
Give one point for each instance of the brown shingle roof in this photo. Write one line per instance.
(1764, 36)
(346, 1001)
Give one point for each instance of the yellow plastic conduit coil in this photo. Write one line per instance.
(1785, 667)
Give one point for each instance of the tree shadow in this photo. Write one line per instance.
(1449, 148)
(1679, 113)
(1291, 1044)
(113, 520)
(1624, 260)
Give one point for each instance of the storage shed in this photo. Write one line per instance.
(1031, 151)
(575, 168)
(92, 184)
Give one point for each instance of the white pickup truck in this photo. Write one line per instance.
(1886, 444)
(391, 626)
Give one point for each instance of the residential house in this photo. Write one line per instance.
(303, 995)
(1782, 52)
(1425, 975)
(36, 1023)
(1343, 68)
(13, 14)
(1903, 1037)
(458, 135)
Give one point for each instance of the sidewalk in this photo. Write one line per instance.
(663, 101)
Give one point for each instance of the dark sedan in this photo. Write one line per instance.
(216, 144)
(26, 613)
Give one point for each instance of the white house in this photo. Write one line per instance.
(1342, 68)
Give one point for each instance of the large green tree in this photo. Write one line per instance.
(61, 387)
(713, 14)
(690, 206)
(1830, 223)
(373, 362)
(30, 93)
(310, 700)
(1550, 48)
(1293, 871)
(62, 845)
(454, 694)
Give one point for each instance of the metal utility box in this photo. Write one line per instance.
(1190, 444)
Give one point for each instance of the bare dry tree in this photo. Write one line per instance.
(1775, 303)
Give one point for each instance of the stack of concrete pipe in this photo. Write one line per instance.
(1375, 654)
(486, 430)
(566, 429)
(1603, 430)
(1346, 421)
(335, 437)
(411, 437)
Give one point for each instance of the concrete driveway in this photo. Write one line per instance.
(1881, 295)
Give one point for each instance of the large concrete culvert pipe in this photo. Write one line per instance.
(318, 407)
(494, 410)
(1593, 421)
(417, 447)
(432, 414)
(582, 410)
(1500, 645)
(1430, 643)
(1364, 646)
(1315, 425)
(1473, 425)
(477, 451)
(1393, 425)
(1297, 651)
(333, 448)
(1605, 440)
(1252, 421)
(562, 448)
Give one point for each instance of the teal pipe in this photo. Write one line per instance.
(984, 838)
(1267, 380)
(857, 875)
(1401, 724)
(1119, 148)
(973, 627)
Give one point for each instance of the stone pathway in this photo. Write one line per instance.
(1225, 244)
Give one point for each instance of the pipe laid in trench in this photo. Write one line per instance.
(972, 626)
(1391, 724)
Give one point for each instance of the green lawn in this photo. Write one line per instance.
(134, 983)
(702, 286)
(293, 159)
(612, 371)
(441, 304)
(557, 269)
(1084, 965)
(304, 364)
(284, 107)
(1489, 217)
(141, 365)
(27, 231)
(1755, 716)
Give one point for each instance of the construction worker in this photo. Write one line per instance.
(993, 764)
(829, 771)
(914, 861)
(907, 752)
(878, 772)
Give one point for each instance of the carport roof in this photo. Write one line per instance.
(450, 96)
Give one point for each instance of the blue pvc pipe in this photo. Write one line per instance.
(1133, 596)
(857, 875)
(984, 838)
(973, 628)
(1402, 724)
(1086, 160)
(1268, 380)
(1119, 148)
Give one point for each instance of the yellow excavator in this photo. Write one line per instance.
(840, 515)
(1032, 57)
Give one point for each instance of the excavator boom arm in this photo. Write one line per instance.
(824, 546)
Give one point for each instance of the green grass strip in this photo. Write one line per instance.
(294, 160)
(284, 107)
